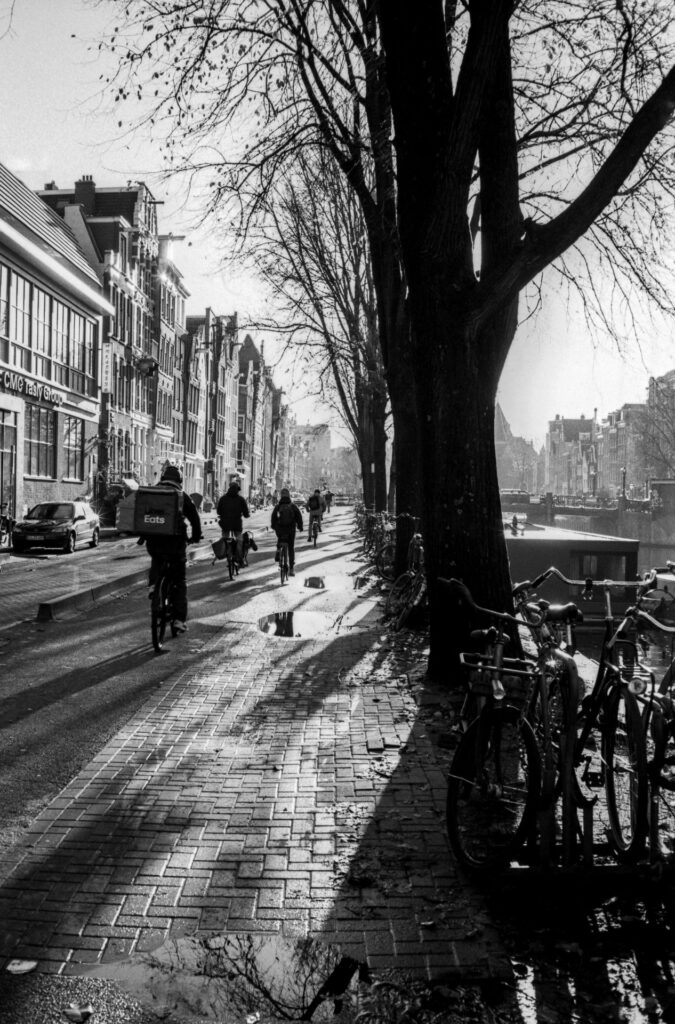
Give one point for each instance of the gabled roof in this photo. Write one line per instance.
(24, 211)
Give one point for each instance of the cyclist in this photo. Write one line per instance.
(316, 507)
(174, 549)
(286, 517)
(232, 509)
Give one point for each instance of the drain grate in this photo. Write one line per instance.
(316, 582)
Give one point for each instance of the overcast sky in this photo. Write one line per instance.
(54, 124)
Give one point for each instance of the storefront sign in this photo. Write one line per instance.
(31, 388)
(106, 368)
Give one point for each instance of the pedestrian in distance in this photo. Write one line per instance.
(316, 507)
(232, 509)
(286, 518)
(328, 498)
(174, 549)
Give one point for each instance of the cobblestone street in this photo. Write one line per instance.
(279, 785)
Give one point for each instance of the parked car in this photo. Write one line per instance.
(57, 524)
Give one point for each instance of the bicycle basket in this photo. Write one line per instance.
(515, 676)
(219, 548)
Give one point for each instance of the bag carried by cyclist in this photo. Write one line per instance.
(158, 512)
(285, 517)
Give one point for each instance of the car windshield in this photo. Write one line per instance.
(52, 510)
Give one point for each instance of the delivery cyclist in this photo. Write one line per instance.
(174, 549)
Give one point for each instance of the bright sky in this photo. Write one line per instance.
(55, 124)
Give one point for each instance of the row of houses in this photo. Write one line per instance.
(620, 455)
(105, 378)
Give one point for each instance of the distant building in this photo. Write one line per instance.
(516, 457)
(313, 457)
(570, 457)
(620, 461)
(117, 231)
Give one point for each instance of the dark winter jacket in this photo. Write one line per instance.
(231, 509)
(280, 513)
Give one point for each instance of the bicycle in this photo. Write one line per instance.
(284, 565)
(611, 710)
(231, 554)
(513, 763)
(161, 608)
(409, 589)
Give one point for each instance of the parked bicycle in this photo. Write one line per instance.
(510, 766)
(409, 589)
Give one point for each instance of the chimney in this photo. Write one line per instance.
(85, 194)
(50, 186)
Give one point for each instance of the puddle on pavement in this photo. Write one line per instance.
(315, 582)
(261, 979)
(294, 624)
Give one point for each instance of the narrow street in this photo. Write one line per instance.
(165, 816)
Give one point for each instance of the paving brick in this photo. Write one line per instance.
(238, 797)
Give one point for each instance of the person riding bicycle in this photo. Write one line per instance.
(316, 507)
(174, 549)
(286, 517)
(232, 508)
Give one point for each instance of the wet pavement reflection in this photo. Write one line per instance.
(294, 624)
(242, 978)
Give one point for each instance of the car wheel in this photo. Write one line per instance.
(69, 546)
(95, 538)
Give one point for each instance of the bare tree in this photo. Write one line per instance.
(497, 111)
(313, 251)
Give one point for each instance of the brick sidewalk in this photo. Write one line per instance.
(285, 786)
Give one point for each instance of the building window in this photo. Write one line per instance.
(42, 329)
(60, 341)
(19, 322)
(73, 446)
(39, 441)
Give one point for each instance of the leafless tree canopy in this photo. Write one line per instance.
(244, 88)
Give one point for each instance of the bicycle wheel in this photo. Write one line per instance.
(414, 596)
(160, 612)
(230, 562)
(384, 561)
(315, 532)
(624, 760)
(283, 563)
(398, 594)
(493, 792)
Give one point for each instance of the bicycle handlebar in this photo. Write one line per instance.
(463, 591)
(588, 584)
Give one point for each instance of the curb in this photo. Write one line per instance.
(48, 611)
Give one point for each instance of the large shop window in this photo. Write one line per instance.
(73, 446)
(42, 335)
(39, 441)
